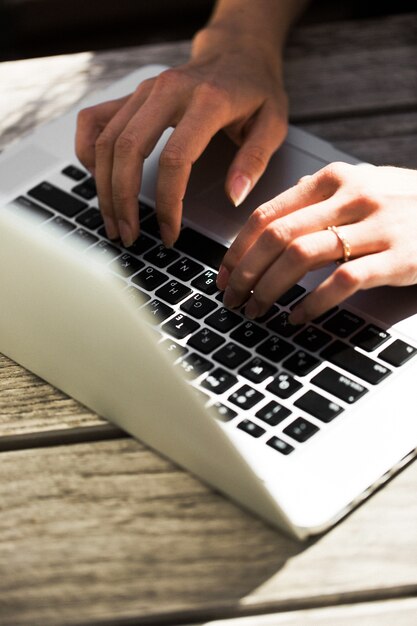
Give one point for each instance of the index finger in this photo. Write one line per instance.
(307, 192)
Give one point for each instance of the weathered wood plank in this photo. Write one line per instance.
(29, 404)
(398, 612)
(111, 530)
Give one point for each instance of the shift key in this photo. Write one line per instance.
(351, 360)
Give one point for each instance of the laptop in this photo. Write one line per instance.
(296, 424)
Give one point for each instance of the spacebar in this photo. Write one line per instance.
(200, 247)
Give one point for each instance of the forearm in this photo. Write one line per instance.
(266, 21)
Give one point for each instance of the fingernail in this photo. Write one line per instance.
(252, 309)
(222, 278)
(297, 316)
(239, 189)
(167, 236)
(125, 233)
(230, 298)
(110, 226)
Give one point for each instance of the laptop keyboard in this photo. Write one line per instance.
(279, 384)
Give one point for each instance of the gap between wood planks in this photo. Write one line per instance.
(198, 617)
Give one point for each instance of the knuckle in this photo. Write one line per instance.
(173, 157)
(262, 216)
(346, 279)
(336, 172)
(85, 116)
(167, 80)
(125, 144)
(276, 235)
(212, 93)
(104, 143)
(256, 158)
(299, 253)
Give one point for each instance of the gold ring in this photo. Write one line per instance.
(347, 250)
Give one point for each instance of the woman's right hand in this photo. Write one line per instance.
(232, 82)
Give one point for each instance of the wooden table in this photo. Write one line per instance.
(97, 529)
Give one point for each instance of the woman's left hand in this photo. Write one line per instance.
(374, 210)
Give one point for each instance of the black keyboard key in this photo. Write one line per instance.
(205, 250)
(312, 338)
(74, 172)
(397, 353)
(161, 256)
(137, 296)
(81, 238)
(223, 412)
(246, 397)
(126, 265)
(194, 365)
(273, 413)
(352, 361)
(280, 324)
(223, 320)
(180, 326)
(150, 278)
(339, 385)
(198, 306)
(173, 292)
(318, 406)
(301, 363)
(174, 349)
(105, 251)
(86, 189)
(252, 429)
(37, 213)
(275, 349)
(266, 316)
(284, 385)
(57, 199)
(206, 282)
(281, 446)
(158, 311)
(231, 355)
(151, 226)
(59, 226)
(292, 294)
(141, 245)
(257, 370)
(91, 218)
(145, 210)
(219, 381)
(185, 269)
(301, 430)
(344, 323)
(370, 338)
(206, 340)
(248, 334)
(325, 315)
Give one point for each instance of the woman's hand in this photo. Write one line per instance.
(374, 210)
(232, 82)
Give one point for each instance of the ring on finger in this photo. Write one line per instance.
(347, 248)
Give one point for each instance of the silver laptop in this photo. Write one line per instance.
(297, 425)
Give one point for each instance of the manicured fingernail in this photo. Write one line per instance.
(240, 188)
(110, 226)
(230, 298)
(252, 310)
(297, 316)
(167, 235)
(222, 278)
(125, 233)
